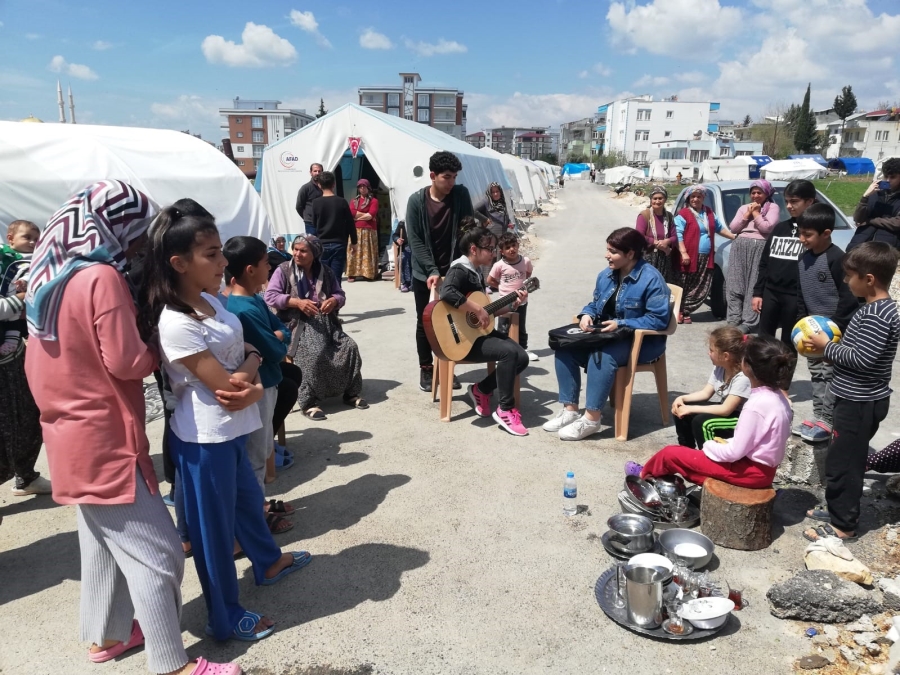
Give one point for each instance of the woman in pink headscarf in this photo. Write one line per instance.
(752, 224)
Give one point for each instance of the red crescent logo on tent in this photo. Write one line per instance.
(354, 143)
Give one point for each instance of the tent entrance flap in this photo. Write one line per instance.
(348, 173)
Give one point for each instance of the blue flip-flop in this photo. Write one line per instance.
(301, 560)
(283, 451)
(283, 462)
(244, 631)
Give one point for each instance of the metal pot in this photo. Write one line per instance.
(630, 533)
(644, 596)
(669, 486)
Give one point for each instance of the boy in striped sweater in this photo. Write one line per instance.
(861, 385)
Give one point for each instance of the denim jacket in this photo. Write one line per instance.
(642, 303)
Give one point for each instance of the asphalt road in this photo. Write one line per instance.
(437, 547)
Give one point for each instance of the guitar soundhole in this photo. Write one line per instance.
(471, 319)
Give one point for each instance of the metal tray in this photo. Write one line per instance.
(605, 592)
(619, 555)
(692, 517)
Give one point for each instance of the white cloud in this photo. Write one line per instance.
(307, 22)
(187, 112)
(691, 77)
(32, 36)
(442, 46)
(102, 45)
(486, 111)
(372, 39)
(59, 65)
(683, 28)
(259, 47)
(600, 69)
(651, 81)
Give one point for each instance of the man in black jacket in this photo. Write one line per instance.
(309, 193)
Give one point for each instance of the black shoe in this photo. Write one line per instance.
(426, 376)
(456, 384)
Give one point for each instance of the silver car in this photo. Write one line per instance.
(725, 199)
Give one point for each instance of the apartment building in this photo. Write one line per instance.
(534, 145)
(875, 135)
(579, 137)
(251, 125)
(439, 107)
(706, 146)
(635, 126)
(478, 139)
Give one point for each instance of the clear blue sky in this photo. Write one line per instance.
(172, 64)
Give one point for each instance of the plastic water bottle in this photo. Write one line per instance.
(570, 495)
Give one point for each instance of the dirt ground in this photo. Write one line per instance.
(442, 547)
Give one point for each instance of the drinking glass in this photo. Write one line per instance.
(736, 595)
(665, 508)
(676, 623)
(679, 508)
(619, 599)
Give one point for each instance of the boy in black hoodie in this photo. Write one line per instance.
(823, 292)
(775, 293)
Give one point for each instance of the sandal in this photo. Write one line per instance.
(633, 469)
(819, 512)
(356, 402)
(686, 319)
(204, 667)
(277, 524)
(279, 507)
(301, 560)
(315, 414)
(283, 462)
(244, 631)
(104, 655)
(822, 531)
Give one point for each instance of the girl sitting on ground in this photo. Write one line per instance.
(713, 411)
(751, 457)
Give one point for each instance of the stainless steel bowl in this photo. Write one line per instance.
(645, 493)
(669, 486)
(630, 505)
(630, 533)
(671, 538)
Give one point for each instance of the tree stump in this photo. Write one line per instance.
(736, 517)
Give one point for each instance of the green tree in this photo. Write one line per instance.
(747, 121)
(579, 158)
(322, 112)
(806, 139)
(844, 106)
(549, 157)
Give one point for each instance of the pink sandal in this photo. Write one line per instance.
(204, 667)
(136, 640)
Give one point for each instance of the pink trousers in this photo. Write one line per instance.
(697, 467)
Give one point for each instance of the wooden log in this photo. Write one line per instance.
(736, 517)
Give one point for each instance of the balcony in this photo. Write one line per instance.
(441, 101)
(372, 100)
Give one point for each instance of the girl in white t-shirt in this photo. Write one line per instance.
(713, 410)
(213, 375)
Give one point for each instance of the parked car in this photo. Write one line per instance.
(725, 198)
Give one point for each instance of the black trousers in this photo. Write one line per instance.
(779, 310)
(291, 377)
(695, 429)
(168, 462)
(422, 294)
(511, 360)
(855, 423)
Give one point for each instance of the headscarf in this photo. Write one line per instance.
(309, 288)
(365, 204)
(499, 205)
(97, 225)
(312, 242)
(768, 190)
(659, 190)
(274, 249)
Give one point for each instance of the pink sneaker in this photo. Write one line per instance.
(480, 401)
(510, 420)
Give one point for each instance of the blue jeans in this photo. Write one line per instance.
(405, 266)
(601, 366)
(309, 227)
(335, 257)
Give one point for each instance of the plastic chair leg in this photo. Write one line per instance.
(447, 390)
(435, 379)
(624, 409)
(662, 388)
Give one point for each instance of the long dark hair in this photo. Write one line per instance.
(172, 233)
(771, 362)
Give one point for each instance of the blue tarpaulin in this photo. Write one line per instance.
(815, 158)
(572, 169)
(761, 160)
(854, 166)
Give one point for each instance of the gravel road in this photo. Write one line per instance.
(437, 547)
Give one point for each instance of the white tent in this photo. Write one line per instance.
(623, 174)
(548, 171)
(668, 169)
(539, 182)
(523, 193)
(397, 149)
(42, 165)
(714, 170)
(790, 169)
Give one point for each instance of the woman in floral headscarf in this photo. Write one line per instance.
(658, 227)
(494, 213)
(307, 295)
(696, 227)
(753, 223)
(362, 262)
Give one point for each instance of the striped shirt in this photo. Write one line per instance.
(863, 358)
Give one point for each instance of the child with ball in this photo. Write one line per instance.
(823, 292)
(861, 386)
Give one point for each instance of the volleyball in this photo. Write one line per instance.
(809, 326)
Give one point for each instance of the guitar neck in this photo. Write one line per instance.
(497, 305)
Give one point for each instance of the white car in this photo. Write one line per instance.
(725, 198)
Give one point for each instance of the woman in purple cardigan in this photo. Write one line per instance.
(660, 235)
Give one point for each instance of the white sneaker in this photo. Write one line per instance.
(39, 486)
(580, 428)
(532, 356)
(563, 418)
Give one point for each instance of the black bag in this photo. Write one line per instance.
(572, 337)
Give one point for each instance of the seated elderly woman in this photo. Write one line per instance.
(631, 293)
(308, 295)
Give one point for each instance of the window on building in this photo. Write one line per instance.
(408, 116)
(424, 115)
(596, 135)
(394, 111)
(240, 148)
(646, 136)
(240, 134)
(256, 164)
(622, 115)
(238, 120)
(858, 135)
(258, 137)
(637, 135)
(424, 100)
(258, 150)
(699, 155)
(670, 114)
(445, 100)
(723, 151)
(643, 114)
(407, 80)
(667, 134)
(240, 162)
(394, 100)
(640, 157)
(256, 122)
(884, 136)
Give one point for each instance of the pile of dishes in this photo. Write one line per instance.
(629, 534)
(656, 501)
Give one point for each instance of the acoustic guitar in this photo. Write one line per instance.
(452, 331)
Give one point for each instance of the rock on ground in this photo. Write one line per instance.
(891, 590)
(803, 463)
(805, 597)
(893, 486)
